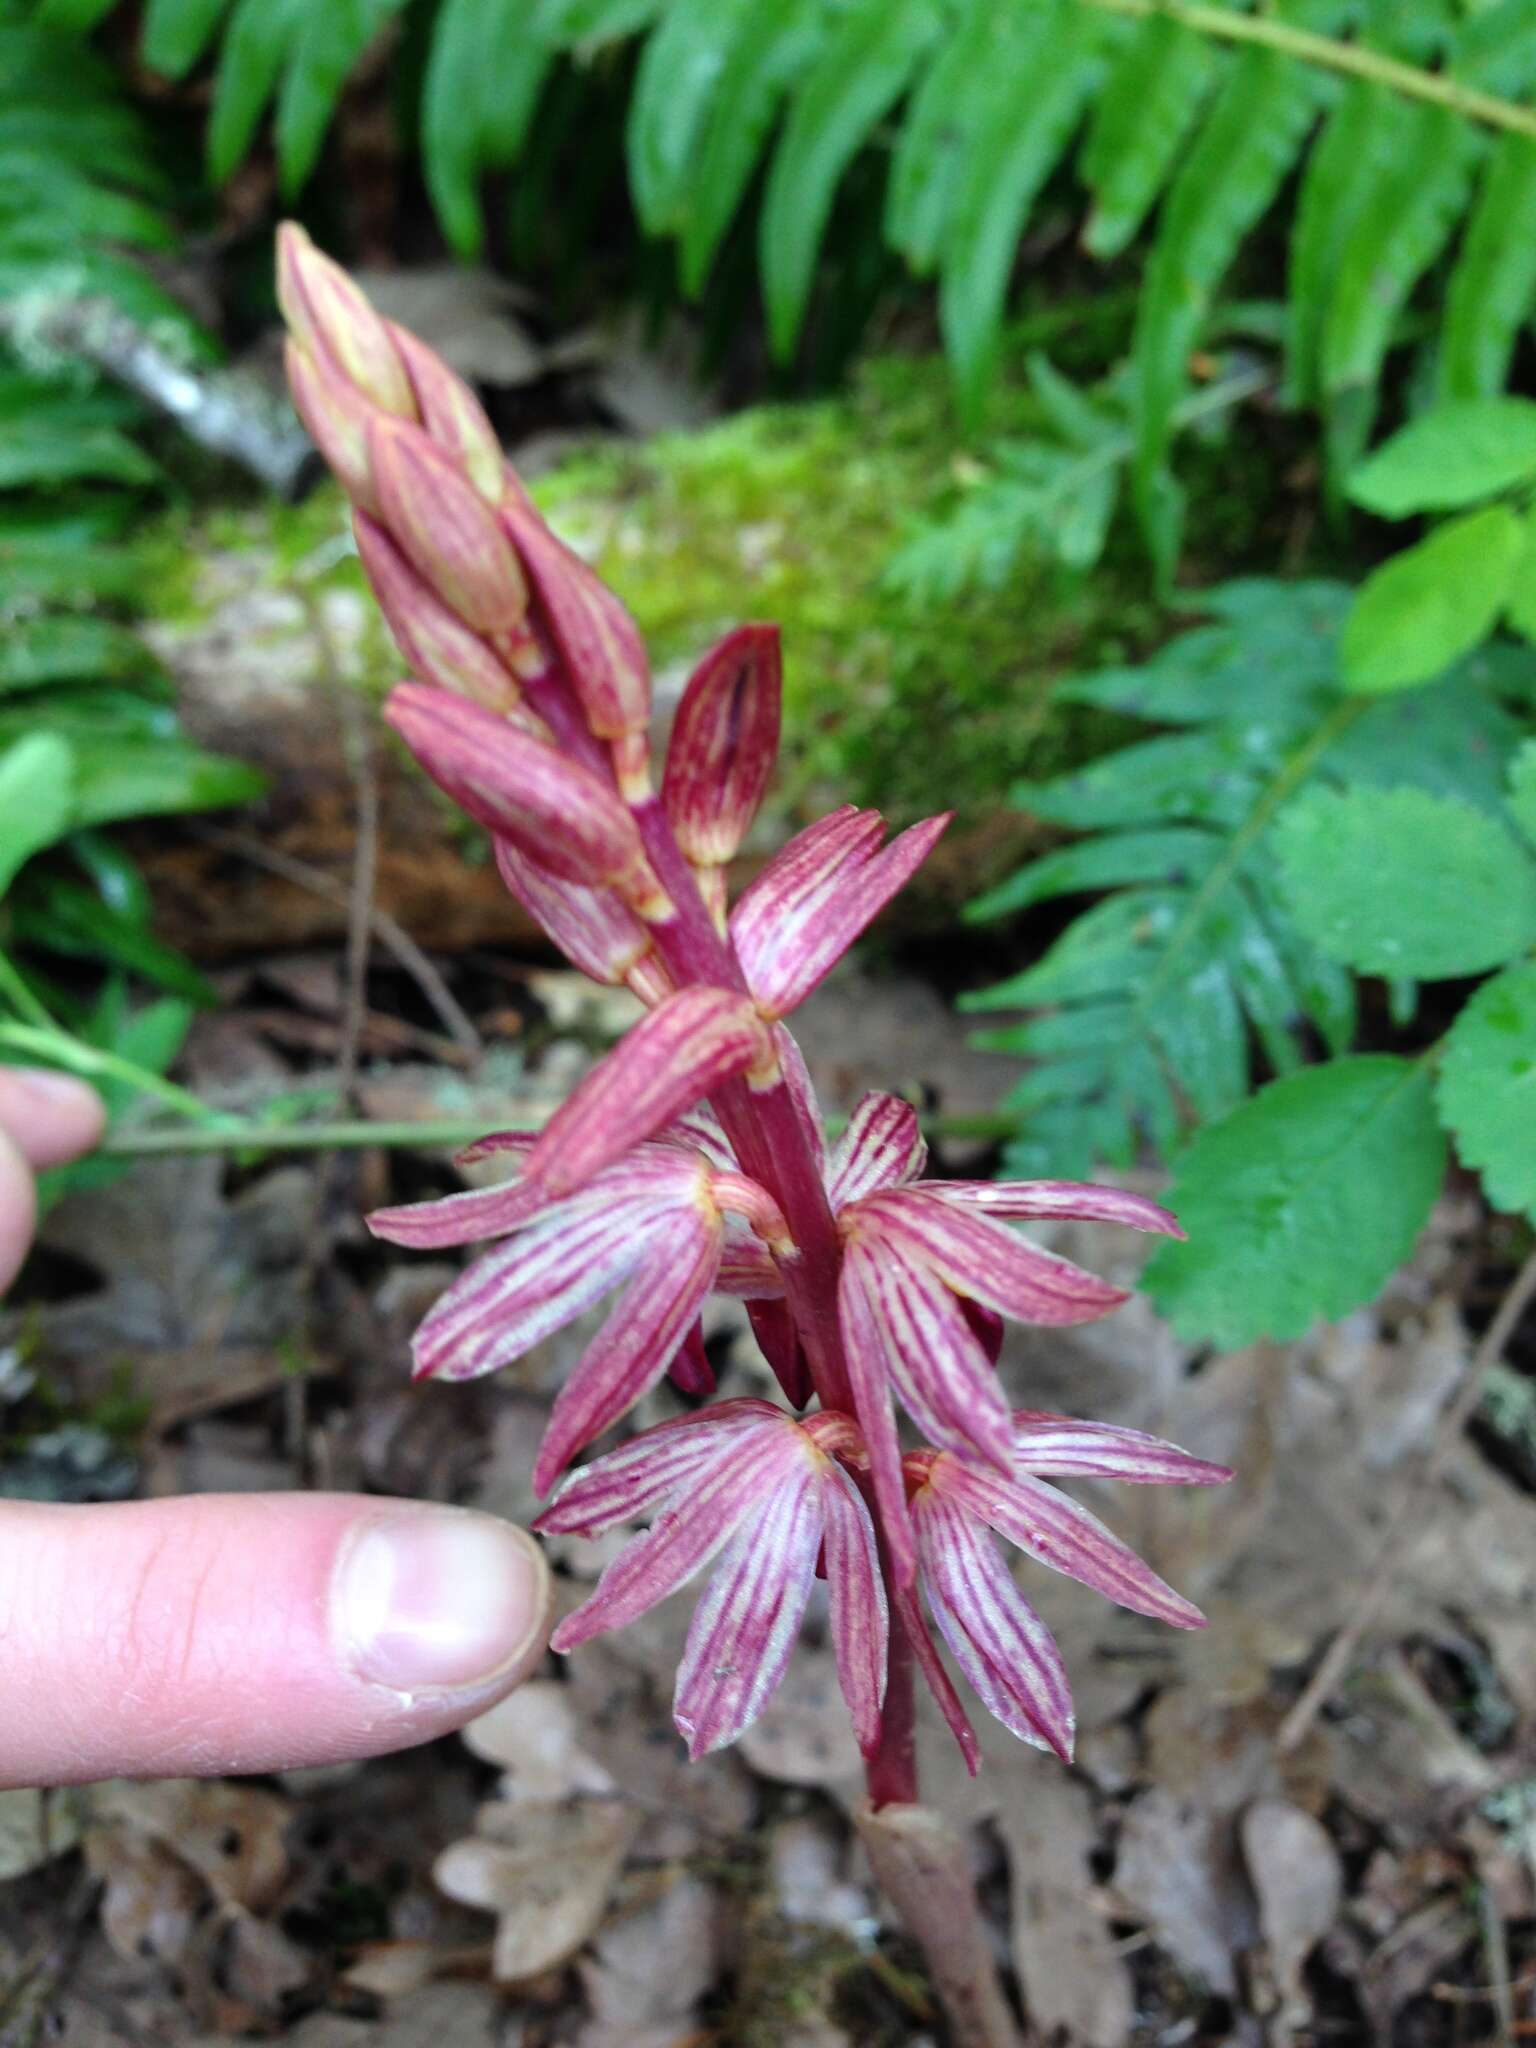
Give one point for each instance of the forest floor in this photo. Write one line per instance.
(1202, 1874)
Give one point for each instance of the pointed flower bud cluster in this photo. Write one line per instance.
(692, 1160)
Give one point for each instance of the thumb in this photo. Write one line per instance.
(252, 1632)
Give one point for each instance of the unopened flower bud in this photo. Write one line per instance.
(724, 742)
(452, 415)
(593, 929)
(438, 645)
(521, 789)
(598, 642)
(326, 312)
(337, 419)
(446, 528)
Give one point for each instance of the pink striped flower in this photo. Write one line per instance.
(657, 1217)
(930, 1271)
(1004, 1649)
(793, 924)
(747, 1479)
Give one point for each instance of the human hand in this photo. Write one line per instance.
(233, 1633)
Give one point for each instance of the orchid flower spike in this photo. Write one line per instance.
(692, 1160)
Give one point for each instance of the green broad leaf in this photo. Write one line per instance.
(176, 33)
(35, 452)
(778, 43)
(1520, 612)
(1300, 1204)
(589, 25)
(1493, 284)
(150, 1036)
(1463, 451)
(1487, 1089)
(1141, 120)
(126, 778)
(37, 777)
(1522, 790)
(1433, 603)
(114, 875)
(73, 16)
(1453, 738)
(60, 916)
(679, 72)
(65, 648)
(1401, 883)
(856, 80)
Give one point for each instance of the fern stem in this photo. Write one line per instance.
(1288, 778)
(1354, 60)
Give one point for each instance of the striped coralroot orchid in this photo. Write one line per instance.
(692, 1160)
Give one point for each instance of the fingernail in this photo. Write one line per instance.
(44, 1085)
(439, 1599)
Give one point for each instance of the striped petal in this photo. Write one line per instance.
(995, 1636)
(745, 1625)
(909, 1616)
(802, 1092)
(523, 1291)
(1057, 1532)
(986, 1260)
(632, 1351)
(793, 936)
(940, 1373)
(699, 1130)
(1082, 1201)
(1057, 1446)
(869, 1379)
(856, 1590)
(650, 1173)
(628, 1483)
(680, 1542)
(662, 1066)
(881, 1148)
(799, 870)
(724, 741)
(592, 928)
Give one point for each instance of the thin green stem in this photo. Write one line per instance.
(1353, 60)
(57, 1048)
(352, 1136)
(1292, 773)
(426, 1135)
(14, 984)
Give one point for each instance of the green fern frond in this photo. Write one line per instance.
(1150, 1008)
(1408, 120)
(81, 697)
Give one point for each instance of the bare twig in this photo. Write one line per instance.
(219, 409)
(1336, 1661)
(390, 933)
